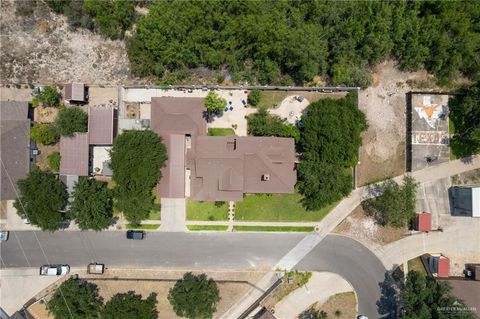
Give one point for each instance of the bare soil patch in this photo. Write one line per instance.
(365, 229)
(384, 104)
(45, 114)
(45, 150)
(341, 306)
(467, 178)
(38, 46)
(146, 281)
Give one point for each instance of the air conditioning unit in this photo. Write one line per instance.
(265, 177)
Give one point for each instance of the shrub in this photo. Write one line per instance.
(214, 103)
(48, 96)
(53, 161)
(44, 134)
(254, 97)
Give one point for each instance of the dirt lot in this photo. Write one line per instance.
(467, 178)
(45, 150)
(342, 306)
(384, 103)
(148, 281)
(39, 47)
(364, 229)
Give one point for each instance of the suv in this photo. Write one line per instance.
(135, 234)
(54, 270)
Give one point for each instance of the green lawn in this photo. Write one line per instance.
(155, 213)
(207, 227)
(197, 210)
(272, 99)
(144, 227)
(304, 229)
(277, 207)
(217, 131)
(417, 265)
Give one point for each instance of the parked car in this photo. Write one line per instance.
(362, 317)
(4, 235)
(54, 270)
(135, 234)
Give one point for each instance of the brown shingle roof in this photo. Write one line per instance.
(15, 146)
(74, 155)
(100, 125)
(222, 168)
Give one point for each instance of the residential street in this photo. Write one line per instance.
(337, 254)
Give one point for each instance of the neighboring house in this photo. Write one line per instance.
(75, 93)
(217, 168)
(15, 154)
(84, 154)
(467, 291)
(466, 201)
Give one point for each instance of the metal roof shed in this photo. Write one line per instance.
(75, 92)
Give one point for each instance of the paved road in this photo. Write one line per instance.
(180, 250)
(337, 254)
(355, 263)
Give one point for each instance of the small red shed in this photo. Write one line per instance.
(443, 267)
(424, 222)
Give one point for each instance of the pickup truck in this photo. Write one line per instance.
(96, 269)
(54, 270)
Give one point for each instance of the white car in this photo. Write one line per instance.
(54, 270)
(362, 317)
(3, 235)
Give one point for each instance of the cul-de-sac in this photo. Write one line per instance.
(241, 159)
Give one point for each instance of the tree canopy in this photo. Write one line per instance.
(424, 298)
(42, 198)
(92, 206)
(330, 139)
(214, 103)
(75, 299)
(70, 120)
(293, 41)
(45, 134)
(48, 96)
(136, 160)
(465, 114)
(131, 305)
(395, 205)
(254, 97)
(262, 123)
(194, 297)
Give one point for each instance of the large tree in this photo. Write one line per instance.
(92, 206)
(41, 200)
(330, 139)
(194, 297)
(75, 299)
(214, 103)
(70, 120)
(424, 298)
(465, 115)
(395, 204)
(129, 306)
(48, 96)
(136, 160)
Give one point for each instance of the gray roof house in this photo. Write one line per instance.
(15, 146)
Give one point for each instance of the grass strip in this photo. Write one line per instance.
(144, 226)
(207, 227)
(303, 229)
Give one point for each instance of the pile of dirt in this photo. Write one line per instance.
(38, 46)
(383, 151)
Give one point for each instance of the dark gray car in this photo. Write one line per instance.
(135, 234)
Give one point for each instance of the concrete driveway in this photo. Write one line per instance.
(173, 214)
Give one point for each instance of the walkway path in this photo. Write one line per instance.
(319, 288)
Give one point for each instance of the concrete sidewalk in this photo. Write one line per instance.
(319, 288)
